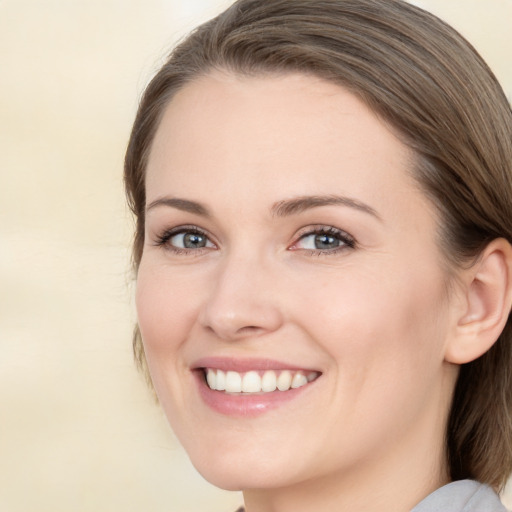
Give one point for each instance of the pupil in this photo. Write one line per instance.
(326, 242)
(193, 240)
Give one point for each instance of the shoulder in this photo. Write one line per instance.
(462, 496)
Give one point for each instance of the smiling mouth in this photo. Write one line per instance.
(257, 382)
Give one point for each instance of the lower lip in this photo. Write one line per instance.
(245, 405)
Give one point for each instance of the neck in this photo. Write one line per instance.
(378, 489)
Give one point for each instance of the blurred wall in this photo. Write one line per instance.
(78, 429)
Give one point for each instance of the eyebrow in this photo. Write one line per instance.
(283, 208)
(180, 204)
(299, 204)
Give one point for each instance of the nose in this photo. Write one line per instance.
(243, 301)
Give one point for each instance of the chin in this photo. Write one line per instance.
(236, 478)
(242, 470)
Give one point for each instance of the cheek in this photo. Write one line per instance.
(166, 308)
(371, 325)
(166, 312)
(385, 342)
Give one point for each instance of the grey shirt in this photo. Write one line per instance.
(462, 496)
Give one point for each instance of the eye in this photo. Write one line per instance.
(190, 240)
(324, 240)
(319, 241)
(185, 239)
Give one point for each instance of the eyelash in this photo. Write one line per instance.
(163, 240)
(347, 241)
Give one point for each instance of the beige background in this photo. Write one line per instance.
(78, 430)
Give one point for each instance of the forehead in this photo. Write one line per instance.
(270, 136)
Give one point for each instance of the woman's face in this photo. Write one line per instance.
(287, 245)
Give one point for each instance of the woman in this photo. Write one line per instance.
(322, 193)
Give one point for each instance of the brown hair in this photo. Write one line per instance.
(425, 80)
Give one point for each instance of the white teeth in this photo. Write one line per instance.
(220, 383)
(299, 380)
(233, 382)
(210, 378)
(253, 382)
(269, 382)
(284, 381)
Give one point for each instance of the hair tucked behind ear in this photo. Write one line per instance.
(424, 79)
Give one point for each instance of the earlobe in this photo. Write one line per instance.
(488, 300)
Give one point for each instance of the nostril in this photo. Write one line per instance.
(249, 329)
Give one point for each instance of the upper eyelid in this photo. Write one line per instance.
(165, 235)
(189, 228)
(324, 228)
(347, 240)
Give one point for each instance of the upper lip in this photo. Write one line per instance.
(247, 364)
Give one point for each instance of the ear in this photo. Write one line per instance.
(487, 300)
